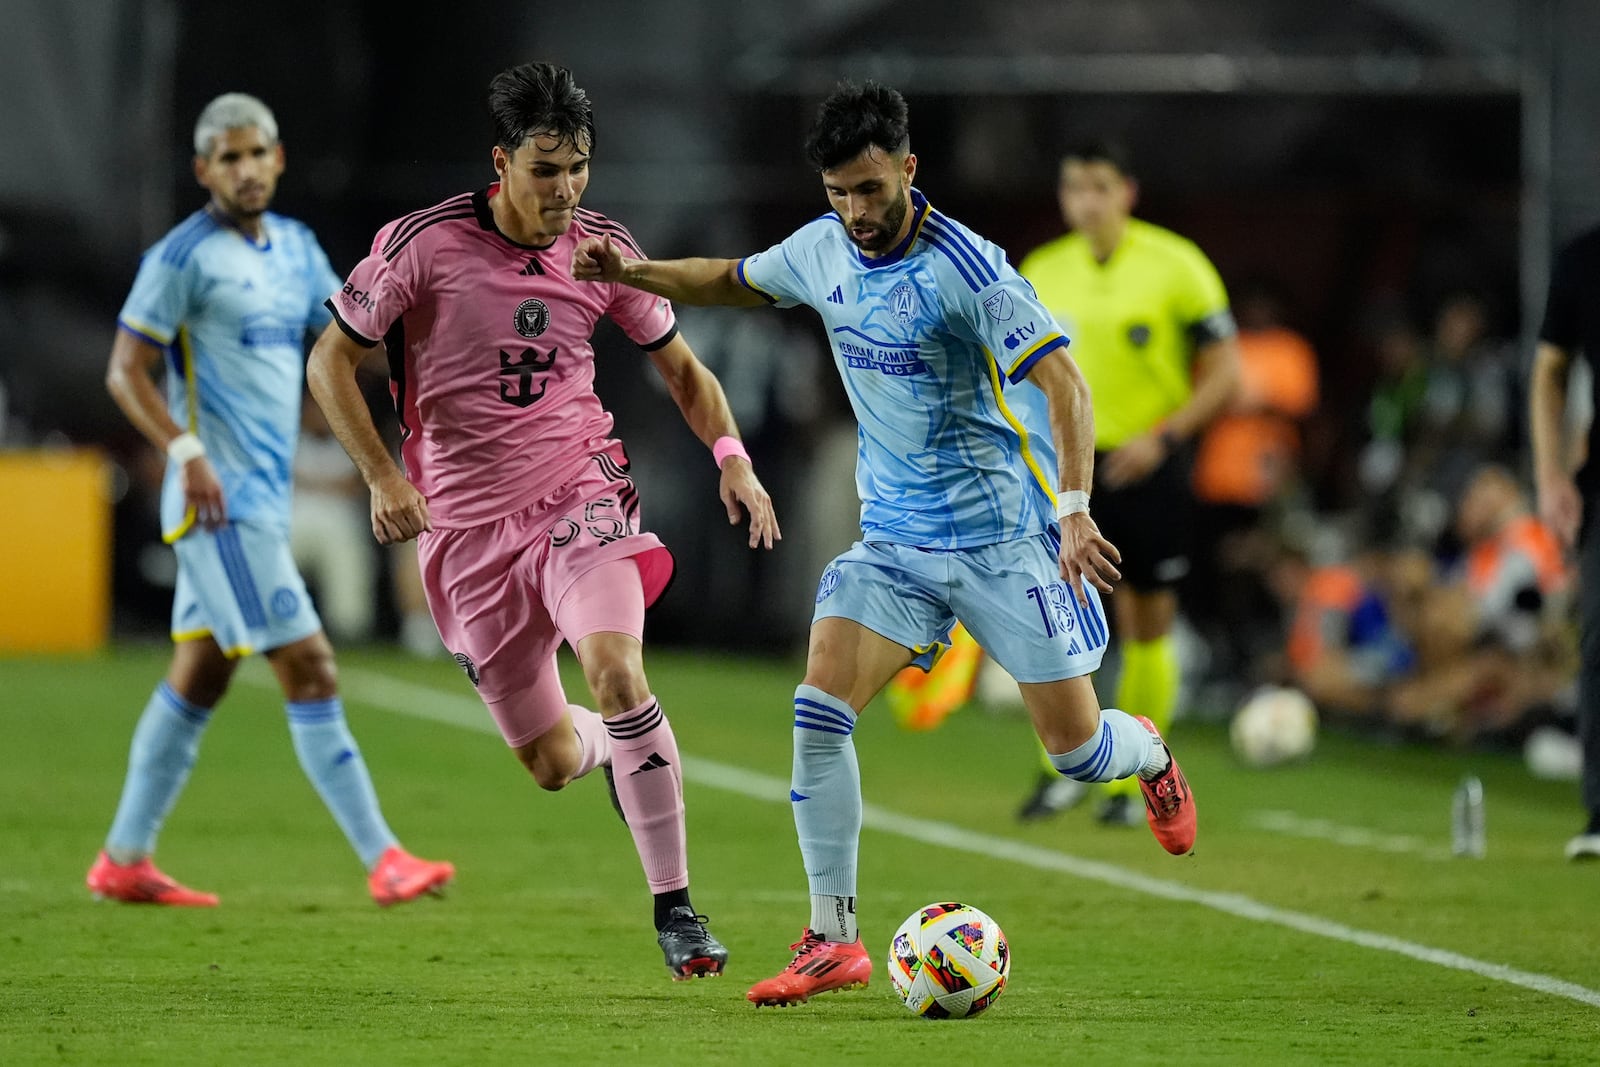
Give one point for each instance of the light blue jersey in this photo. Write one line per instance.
(232, 317)
(932, 341)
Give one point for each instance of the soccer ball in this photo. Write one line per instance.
(949, 961)
(1274, 725)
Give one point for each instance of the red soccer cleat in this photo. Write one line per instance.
(142, 883)
(400, 876)
(1168, 802)
(818, 967)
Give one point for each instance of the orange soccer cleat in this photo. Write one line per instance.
(142, 883)
(1168, 802)
(818, 967)
(400, 876)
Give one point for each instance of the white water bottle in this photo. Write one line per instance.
(1466, 819)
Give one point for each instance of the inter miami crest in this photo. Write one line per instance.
(464, 661)
(533, 318)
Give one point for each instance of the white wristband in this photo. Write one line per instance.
(1071, 502)
(184, 447)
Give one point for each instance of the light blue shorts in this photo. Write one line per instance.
(240, 585)
(1010, 596)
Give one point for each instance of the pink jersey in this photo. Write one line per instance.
(489, 357)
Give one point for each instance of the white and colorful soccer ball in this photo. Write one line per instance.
(1274, 725)
(949, 961)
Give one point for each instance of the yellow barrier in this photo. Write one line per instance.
(55, 551)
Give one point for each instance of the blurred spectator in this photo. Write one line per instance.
(1481, 655)
(1393, 415)
(1514, 569)
(1248, 458)
(1344, 646)
(330, 534)
(1467, 412)
(1440, 409)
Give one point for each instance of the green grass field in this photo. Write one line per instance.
(1365, 945)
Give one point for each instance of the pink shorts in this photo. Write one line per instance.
(499, 592)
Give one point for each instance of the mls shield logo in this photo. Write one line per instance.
(999, 306)
(903, 302)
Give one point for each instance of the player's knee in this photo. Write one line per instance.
(308, 671)
(617, 685)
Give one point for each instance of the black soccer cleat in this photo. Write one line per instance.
(690, 950)
(1052, 794)
(611, 787)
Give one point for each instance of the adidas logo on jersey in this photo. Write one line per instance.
(837, 296)
(533, 267)
(652, 762)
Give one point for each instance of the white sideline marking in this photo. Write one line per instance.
(425, 702)
(1287, 822)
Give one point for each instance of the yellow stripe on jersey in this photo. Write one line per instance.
(1016, 424)
(145, 330)
(1020, 360)
(192, 395)
(744, 280)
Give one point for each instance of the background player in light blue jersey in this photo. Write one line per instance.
(225, 300)
(975, 461)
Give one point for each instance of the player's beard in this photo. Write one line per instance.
(235, 207)
(893, 219)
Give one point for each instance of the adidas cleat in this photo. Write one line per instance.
(689, 948)
(1169, 805)
(142, 883)
(818, 967)
(400, 876)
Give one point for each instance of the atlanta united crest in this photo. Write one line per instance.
(903, 302)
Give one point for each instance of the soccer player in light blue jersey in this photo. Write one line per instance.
(975, 462)
(225, 301)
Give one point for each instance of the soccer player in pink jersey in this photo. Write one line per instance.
(526, 518)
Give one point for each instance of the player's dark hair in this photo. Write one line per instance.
(854, 117)
(539, 98)
(1101, 152)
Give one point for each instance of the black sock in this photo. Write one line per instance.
(665, 902)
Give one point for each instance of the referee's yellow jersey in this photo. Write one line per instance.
(1135, 321)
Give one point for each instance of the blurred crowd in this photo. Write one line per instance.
(1429, 600)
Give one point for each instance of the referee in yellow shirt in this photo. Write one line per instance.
(1150, 327)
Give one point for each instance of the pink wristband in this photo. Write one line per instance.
(728, 446)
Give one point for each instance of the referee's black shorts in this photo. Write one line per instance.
(1151, 522)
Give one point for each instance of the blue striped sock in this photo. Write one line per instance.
(165, 744)
(330, 758)
(826, 797)
(1119, 748)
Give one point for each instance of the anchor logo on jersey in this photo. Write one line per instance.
(516, 376)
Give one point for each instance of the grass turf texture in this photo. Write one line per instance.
(543, 951)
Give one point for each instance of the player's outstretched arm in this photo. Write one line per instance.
(683, 281)
(399, 511)
(1085, 554)
(699, 396)
(129, 381)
